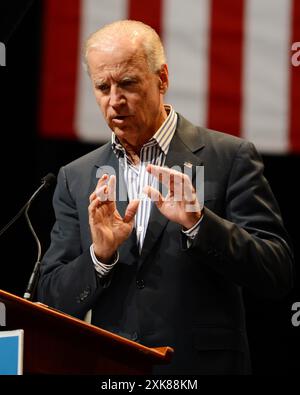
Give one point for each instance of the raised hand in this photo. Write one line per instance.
(181, 204)
(109, 230)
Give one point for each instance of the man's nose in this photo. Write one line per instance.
(117, 98)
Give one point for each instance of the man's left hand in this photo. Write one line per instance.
(181, 204)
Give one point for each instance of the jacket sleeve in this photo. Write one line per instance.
(250, 245)
(68, 280)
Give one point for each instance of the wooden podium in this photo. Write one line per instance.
(56, 343)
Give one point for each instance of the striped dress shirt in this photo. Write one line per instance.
(136, 177)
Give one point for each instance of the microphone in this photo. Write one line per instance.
(47, 181)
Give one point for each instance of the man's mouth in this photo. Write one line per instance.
(119, 119)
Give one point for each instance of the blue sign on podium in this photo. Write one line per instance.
(11, 352)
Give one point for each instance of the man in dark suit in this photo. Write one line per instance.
(162, 269)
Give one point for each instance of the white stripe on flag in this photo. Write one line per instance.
(185, 36)
(266, 74)
(89, 122)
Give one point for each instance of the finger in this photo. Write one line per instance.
(171, 186)
(102, 181)
(163, 174)
(154, 195)
(189, 192)
(92, 207)
(156, 170)
(92, 197)
(131, 211)
(160, 173)
(102, 193)
(177, 186)
(111, 188)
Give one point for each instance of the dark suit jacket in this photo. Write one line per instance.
(190, 299)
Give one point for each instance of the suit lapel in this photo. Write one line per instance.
(181, 150)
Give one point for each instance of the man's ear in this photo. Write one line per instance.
(163, 75)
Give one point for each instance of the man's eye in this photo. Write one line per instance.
(127, 83)
(102, 87)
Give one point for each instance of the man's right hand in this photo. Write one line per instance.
(109, 230)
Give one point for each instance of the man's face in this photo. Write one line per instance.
(128, 93)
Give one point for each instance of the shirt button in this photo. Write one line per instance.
(140, 283)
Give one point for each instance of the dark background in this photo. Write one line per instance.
(25, 158)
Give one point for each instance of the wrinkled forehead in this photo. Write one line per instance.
(116, 55)
(115, 44)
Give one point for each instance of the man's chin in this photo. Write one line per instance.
(117, 131)
(121, 132)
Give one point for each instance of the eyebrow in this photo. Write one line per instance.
(123, 79)
(98, 82)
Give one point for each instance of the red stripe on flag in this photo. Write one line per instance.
(295, 84)
(59, 67)
(225, 66)
(149, 12)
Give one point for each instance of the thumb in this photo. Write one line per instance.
(131, 211)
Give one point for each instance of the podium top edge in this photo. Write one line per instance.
(159, 353)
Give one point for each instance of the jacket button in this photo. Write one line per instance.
(140, 283)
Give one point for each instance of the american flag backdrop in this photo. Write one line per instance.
(229, 62)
